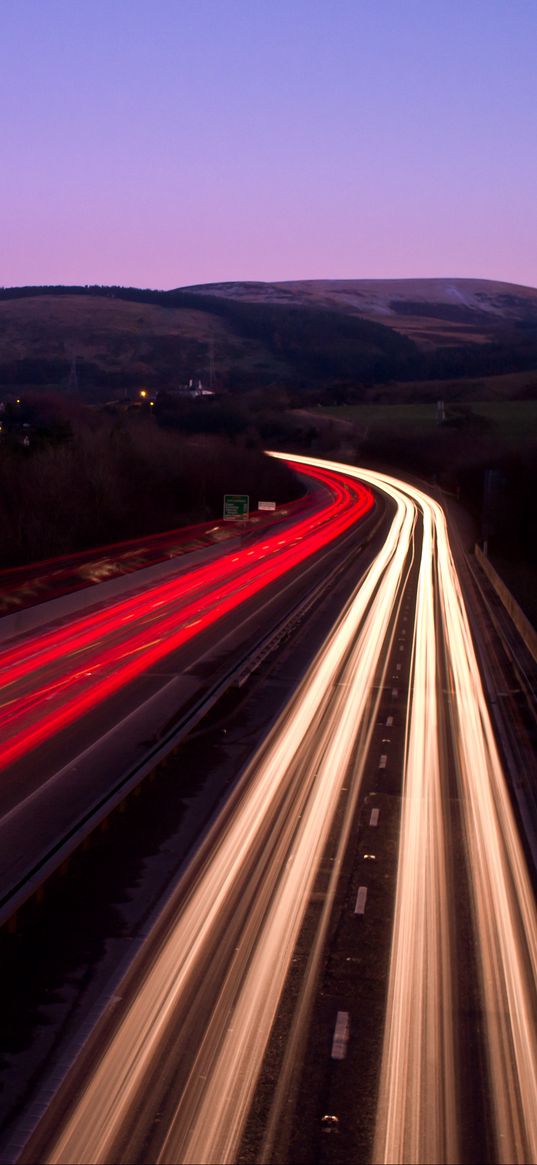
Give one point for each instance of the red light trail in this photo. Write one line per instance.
(46, 689)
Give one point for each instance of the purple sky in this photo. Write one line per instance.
(165, 142)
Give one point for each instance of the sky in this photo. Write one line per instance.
(161, 143)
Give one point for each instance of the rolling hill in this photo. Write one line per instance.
(104, 341)
(433, 312)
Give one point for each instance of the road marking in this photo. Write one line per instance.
(395, 691)
(398, 667)
(401, 648)
(374, 819)
(341, 1036)
(383, 761)
(361, 899)
(389, 721)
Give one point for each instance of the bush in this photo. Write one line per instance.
(111, 480)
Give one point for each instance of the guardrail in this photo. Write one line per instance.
(515, 612)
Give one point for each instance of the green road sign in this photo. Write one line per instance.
(236, 506)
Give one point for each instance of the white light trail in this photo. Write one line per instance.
(417, 1108)
(257, 876)
(309, 751)
(504, 902)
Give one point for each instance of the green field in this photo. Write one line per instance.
(514, 422)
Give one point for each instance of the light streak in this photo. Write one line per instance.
(147, 627)
(418, 1115)
(218, 976)
(503, 897)
(289, 798)
(417, 1109)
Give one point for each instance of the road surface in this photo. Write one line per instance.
(88, 691)
(172, 1076)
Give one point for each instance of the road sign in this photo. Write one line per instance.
(266, 505)
(236, 506)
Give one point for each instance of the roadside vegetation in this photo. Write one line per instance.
(86, 477)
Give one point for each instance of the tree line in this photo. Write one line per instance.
(313, 346)
(87, 479)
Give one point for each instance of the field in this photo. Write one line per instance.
(504, 386)
(513, 423)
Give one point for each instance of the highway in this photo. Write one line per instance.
(418, 1107)
(28, 585)
(112, 647)
(90, 688)
(174, 1076)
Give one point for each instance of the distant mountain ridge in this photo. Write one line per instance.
(299, 334)
(376, 293)
(403, 304)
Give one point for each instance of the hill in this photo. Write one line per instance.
(433, 312)
(105, 341)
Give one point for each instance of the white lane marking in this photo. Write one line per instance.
(383, 761)
(395, 691)
(361, 899)
(389, 721)
(398, 667)
(341, 1036)
(374, 819)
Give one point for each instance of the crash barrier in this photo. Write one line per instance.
(520, 620)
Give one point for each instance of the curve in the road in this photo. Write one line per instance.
(191, 1043)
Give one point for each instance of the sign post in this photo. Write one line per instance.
(266, 505)
(236, 507)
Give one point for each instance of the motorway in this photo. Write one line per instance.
(88, 690)
(174, 1075)
(41, 695)
(25, 586)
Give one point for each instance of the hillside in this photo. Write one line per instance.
(433, 312)
(103, 342)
